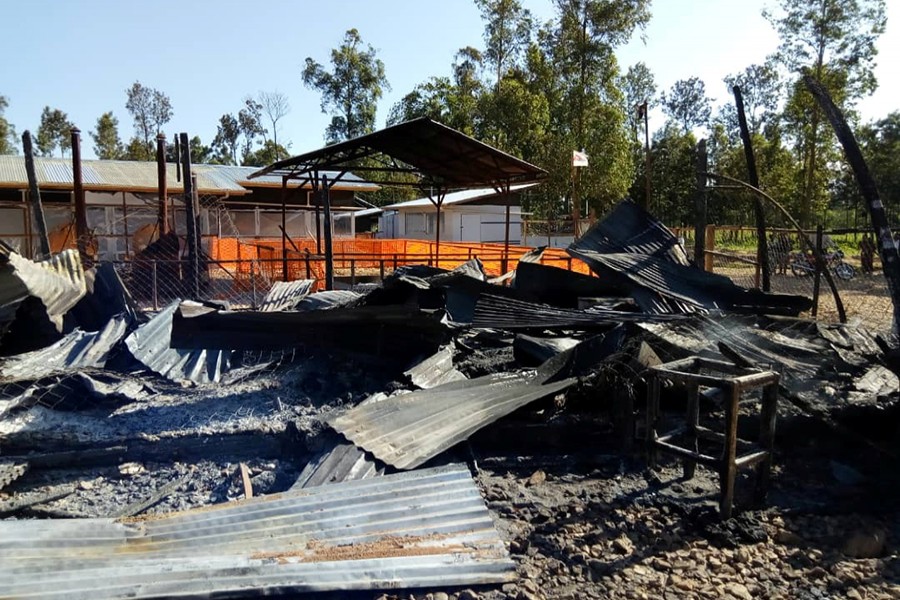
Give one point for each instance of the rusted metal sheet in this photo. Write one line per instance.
(409, 530)
(408, 429)
(150, 344)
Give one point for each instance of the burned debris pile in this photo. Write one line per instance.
(442, 430)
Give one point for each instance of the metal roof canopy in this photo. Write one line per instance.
(438, 157)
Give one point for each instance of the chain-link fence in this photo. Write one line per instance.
(853, 266)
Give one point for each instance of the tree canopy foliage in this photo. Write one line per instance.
(54, 132)
(351, 89)
(8, 140)
(150, 109)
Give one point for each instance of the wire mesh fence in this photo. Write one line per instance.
(855, 270)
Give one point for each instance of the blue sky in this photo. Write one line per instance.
(81, 55)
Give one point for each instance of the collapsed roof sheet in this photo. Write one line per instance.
(150, 344)
(424, 528)
(435, 370)
(342, 462)
(393, 332)
(632, 230)
(509, 313)
(406, 430)
(77, 350)
(58, 283)
(286, 295)
(685, 288)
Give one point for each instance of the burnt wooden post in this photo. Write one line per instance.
(728, 467)
(329, 250)
(762, 251)
(162, 185)
(34, 196)
(81, 229)
(700, 218)
(693, 421)
(504, 264)
(284, 260)
(887, 249)
(820, 266)
(193, 271)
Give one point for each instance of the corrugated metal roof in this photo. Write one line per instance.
(508, 313)
(628, 228)
(150, 344)
(456, 197)
(435, 370)
(98, 175)
(285, 295)
(59, 283)
(408, 429)
(343, 462)
(77, 350)
(418, 529)
(329, 299)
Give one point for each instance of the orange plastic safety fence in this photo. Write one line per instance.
(367, 256)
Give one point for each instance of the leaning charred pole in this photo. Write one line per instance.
(34, 197)
(192, 278)
(887, 249)
(163, 218)
(81, 229)
(762, 251)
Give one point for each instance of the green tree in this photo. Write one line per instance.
(430, 99)
(761, 92)
(687, 103)
(8, 140)
(638, 86)
(351, 90)
(507, 32)
(266, 154)
(588, 111)
(150, 109)
(250, 124)
(880, 143)
(54, 132)
(226, 143)
(834, 41)
(107, 145)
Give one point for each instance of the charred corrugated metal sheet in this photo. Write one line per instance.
(424, 528)
(106, 297)
(509, 313)
(559, 287)
(685, 288)
(343, 462)
(77, 350)
(435, 370)
(150, 345)
(329, 299)
(408, 429)
(632, 230)
(286, 295)
(58, 283)
(396, 333)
